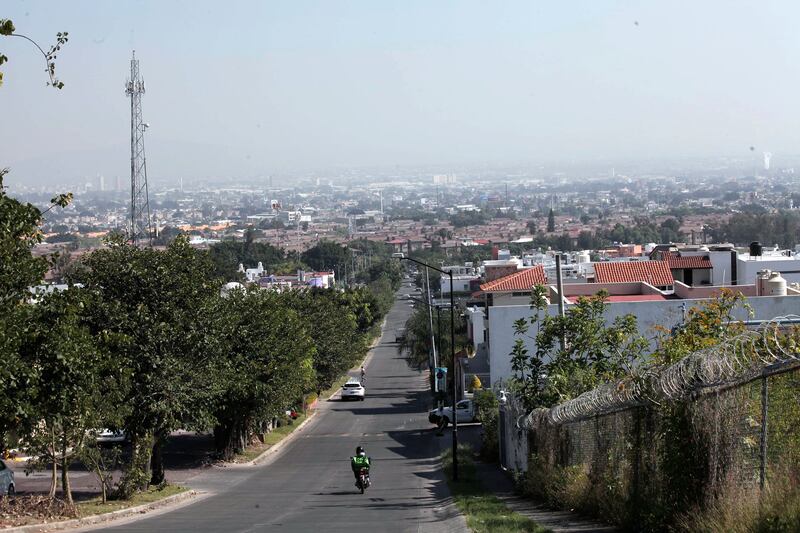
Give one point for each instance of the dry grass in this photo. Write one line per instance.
(747, 510)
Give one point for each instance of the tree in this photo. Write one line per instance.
(573, 353)
(334, 331)
(153, 302)
(551, 221)
(533, 227)
(226, 256)
(326, 255)
(265, 358)
(19, 232)
(705, 326)
(585, 219)
(75, 382)
(7, 29)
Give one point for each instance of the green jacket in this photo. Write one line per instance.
(357, 462)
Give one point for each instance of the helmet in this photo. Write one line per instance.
(359, 450)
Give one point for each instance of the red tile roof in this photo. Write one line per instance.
(518, 281)
(691, 261)
(655, 273)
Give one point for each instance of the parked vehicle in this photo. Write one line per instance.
(7, 485)
(107, 436)
(353, 390)
(465, 410)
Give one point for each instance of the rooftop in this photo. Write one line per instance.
(655, 273)
(518, 281)
(689, 261)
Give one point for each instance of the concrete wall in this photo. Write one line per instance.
(665, 313)
(747, 269)
(460, 284)
(685, 292)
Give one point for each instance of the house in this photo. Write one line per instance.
(690, 269)
(653, 308)
(513, 289)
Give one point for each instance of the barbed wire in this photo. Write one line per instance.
(738, 358)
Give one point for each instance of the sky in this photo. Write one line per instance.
(252, 88)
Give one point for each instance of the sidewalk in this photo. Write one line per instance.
(497, 481)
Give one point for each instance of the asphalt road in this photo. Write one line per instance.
(308, 485)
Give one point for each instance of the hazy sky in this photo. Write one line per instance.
(244, 88)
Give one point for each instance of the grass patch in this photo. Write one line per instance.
(94, 506)
(485, 513)
(270, 439)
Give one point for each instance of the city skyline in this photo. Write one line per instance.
(259, 89)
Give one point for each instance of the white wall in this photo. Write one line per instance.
(665, 313)
(477, 319)
(459, 284)
(747, 269)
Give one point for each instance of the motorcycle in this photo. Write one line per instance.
(363, 479)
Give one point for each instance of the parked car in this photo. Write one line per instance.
(7, 485)
(465, 410)
(353, 390)
(108, 436)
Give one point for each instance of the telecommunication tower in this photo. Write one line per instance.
(140, 230)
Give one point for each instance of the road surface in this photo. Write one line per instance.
(308, 486)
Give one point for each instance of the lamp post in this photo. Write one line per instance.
(452, 358)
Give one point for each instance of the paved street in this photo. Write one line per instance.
(308, 485)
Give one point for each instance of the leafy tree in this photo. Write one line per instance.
(551, 221)
(585, 219)
(705, 325)
(226, 256)
(19, 232)
(264, 363)
(326, 255)
(75, 382)
(532, 227)
(153, 302)
(468, 218)
(334, 329)
(573, 353)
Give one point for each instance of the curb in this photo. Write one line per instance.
(281, 443)
(105, 517)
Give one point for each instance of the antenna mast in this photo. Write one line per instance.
(140, 230)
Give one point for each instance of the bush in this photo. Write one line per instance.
(488, 414)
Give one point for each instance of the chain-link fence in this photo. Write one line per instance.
(639, 450)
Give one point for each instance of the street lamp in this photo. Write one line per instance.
(452, 358)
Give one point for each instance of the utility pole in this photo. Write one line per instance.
(140, 231)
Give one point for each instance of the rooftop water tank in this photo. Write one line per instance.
(775, 285)
(583, 257)
(756, 250)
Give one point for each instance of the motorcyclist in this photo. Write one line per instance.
(359, 461)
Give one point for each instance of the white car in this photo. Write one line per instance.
(353, 390)
(7, 485)
(106, 436)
